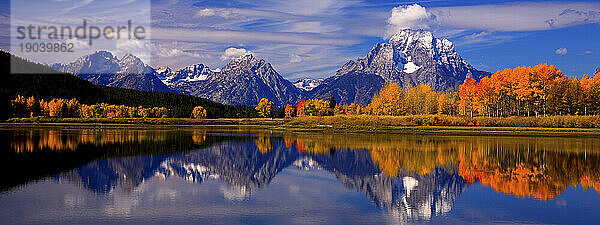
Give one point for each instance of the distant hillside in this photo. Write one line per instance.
(49, 83)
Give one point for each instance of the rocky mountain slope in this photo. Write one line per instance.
(410, 57)
(355, 87)
(103, 68)
(244, 81)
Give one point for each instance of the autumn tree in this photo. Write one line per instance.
(33, 106)
(57, 107)
(421, 100)
(316, 107)
(591, 92)
(468, 97)
(448, 103)
(389, 101)
(300, 108)
(290, 111)
(19, 105)
(264, 107)
(199, 112)
(73, 108)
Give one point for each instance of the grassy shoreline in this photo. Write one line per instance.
(148, 121)
(429, 124)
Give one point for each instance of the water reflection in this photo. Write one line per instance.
(411, 177)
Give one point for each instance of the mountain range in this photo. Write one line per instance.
(409, 58)
(103, 68)
(241, 164)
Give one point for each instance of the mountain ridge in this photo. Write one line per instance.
(103, 68)
(409, 58)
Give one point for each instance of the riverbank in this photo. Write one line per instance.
(149, 121)
(427, 124)
(349, 122)
(368, 121)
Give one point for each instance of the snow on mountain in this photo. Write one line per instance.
(308, 84)
(244, 81)
(191, 73)
(410, 57)
(410, 67)
(306, 163)
(163, 72)
(103, 68)
(413, 57)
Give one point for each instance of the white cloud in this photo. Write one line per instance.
(295, 58)
(162, 50)
(478, 35)
(78, 44)
(232, 53)
(561, 51)
(246, 37)
(77, 5)
(310, 7)
(310, 27)
(224, 13)
(523, 16)
(206, 12)
(409, 16)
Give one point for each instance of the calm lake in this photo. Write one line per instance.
(216, 175)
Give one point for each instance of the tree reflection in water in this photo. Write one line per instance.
(413, 177)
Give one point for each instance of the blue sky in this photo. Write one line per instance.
(313, 38)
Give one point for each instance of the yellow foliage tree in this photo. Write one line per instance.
(33, 106)
(389, 101)
(199, 112)
(422, 100)
(448, 103)
(264, 107)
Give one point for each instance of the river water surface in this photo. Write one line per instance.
(212, 175)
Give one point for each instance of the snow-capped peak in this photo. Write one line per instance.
(412, 57)
(308, 84)
(409, 37)
(164, 69)
(191, 73)
(248, 56)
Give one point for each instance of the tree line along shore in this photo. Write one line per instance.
(539, 96)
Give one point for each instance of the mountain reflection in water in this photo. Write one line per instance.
(411, 177)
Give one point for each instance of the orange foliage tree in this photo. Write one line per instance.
(468, 97)
(290, 111)
(71, 108)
